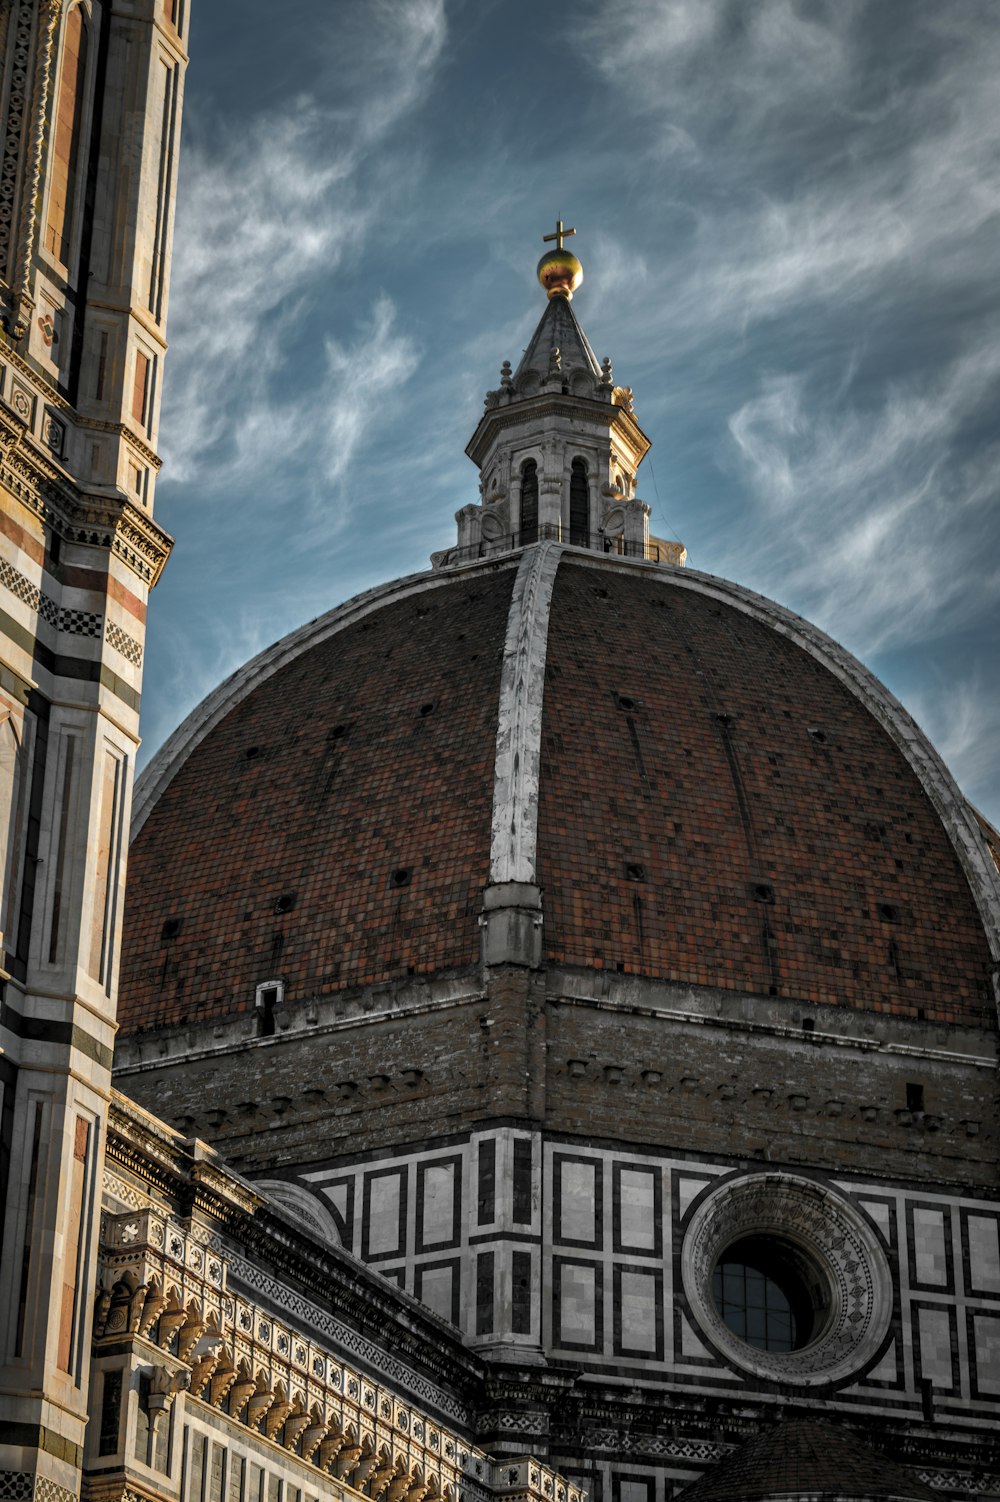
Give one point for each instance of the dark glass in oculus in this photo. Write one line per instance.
(762, 1291)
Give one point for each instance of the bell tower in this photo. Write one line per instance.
(90, 106)
(558, 444)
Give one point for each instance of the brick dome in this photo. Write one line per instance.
(706, 791)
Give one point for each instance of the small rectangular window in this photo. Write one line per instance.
(102, 365)
(140, 387)
(522, 1181)
(111, 1405)
(484, 1293)
(521, 1293)
(486, 1206)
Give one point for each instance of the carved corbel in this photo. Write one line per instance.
(400, 1484)
(171, 1320)
(204, 1359)
(365, 1465)
(242, 1389)
(124, 1307)
(153, 1306)
(313, 1436)
(296, 1424)
(223, 1380)
(190, 1332)
(101, 1307)
(260, 1401)
(347, 1459)
(419, 1490)
(380, 1477)
(276, 1415)
(12, 430)
(330, 1447)
(164, 1385)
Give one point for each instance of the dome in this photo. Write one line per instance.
(703, 790)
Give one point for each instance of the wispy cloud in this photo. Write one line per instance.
(814, 174)
(876, 522)
(265, 219)
(962, 718)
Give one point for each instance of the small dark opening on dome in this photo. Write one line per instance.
(621, 967)
(888, 912)
(337, 733)
(763, 892)
(723, 719)
(601, 594)
(635, 871)
(285, 902)
(818, 735)
(267, 1000)
(171, 928)
(252, 753)
(400, 877)
(624, 702)
(427, 709)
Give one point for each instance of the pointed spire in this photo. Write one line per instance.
(558, 328)
(558, 445)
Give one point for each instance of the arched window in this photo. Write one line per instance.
(529, 501)
(66, 145)
(579, 505)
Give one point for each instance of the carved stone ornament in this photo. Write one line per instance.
(837, 1249)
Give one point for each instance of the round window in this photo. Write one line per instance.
(786, 1278)
(768, 1294)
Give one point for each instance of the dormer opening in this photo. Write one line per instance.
(529, 501)
(579, 504)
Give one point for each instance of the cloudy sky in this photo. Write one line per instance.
(789, 217)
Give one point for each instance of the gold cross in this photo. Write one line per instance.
(558, 236)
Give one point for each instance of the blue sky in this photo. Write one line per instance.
(789, 219)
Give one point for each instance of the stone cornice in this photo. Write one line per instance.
(192, 1176)
(554, 404)
(113, 523)
(120, 430)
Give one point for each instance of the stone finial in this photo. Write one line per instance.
(606, 371)
(505, 376)
(555, 360)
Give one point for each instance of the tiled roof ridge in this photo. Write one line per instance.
(801, 1457)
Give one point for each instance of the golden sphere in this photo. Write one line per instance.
(560, 273)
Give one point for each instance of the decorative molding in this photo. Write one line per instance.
(49, 12)
(113, 523)
(161, 1286)
(350, 1340)
(127, 645)
(975, 1483)
(25, 1486)
(20, 34)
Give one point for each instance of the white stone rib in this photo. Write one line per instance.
(519, 728)
(175, 751)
